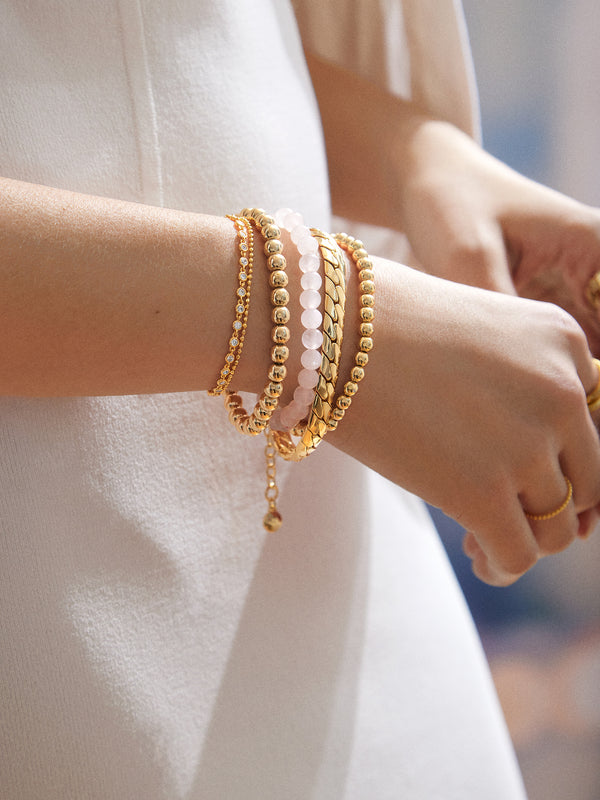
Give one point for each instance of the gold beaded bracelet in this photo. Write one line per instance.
(242, 303)
(257, 422)
(333, 330)
(366, 276)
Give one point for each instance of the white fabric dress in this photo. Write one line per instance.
(155, 642)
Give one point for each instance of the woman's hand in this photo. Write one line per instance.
(472, 219)
(456, 409)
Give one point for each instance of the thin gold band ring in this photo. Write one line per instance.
(557, 511)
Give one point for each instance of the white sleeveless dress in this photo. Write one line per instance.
(155, 642)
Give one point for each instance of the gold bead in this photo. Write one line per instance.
(280, 297)
(365, 263)
(356, 244)
(366, 329)
(255, 427)
(277, 372)
(367, 287)
(279, 353)
(272, 247)
(351, 388)
(367, 300)
(366, 344)
(268, 403)
(337, 414)
(281, 334)
(261, 413)
(272, 521)
(357, 374)
(359, 253)
(367, 314)
(280, 315)
(344, 402)
(255, 213)
(264, 219)
(274, 389)
(276, 262)
(233, 401)
(362, 359)
(278, 278)
(366, 275)
(271, 231)
(237, 414)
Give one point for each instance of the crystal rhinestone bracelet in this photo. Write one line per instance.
(242, 303)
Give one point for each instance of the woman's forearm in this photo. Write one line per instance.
(368, 135)
(99, 296)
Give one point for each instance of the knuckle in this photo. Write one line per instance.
(473, 253)
(519, 560)
(552, 542)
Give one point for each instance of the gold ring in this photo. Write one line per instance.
(593, 398)
(557, 511)
(593, 291)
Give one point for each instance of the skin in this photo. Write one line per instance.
(471, 219)
(454, 408)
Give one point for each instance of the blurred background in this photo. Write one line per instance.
(538, 70)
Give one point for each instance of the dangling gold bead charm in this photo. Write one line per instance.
(272, 519)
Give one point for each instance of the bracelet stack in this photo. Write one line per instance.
(294, 431)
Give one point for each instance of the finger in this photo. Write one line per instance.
(481, 566)
(550, 511)
(487, 263)
(504, 536)
(587, 522)
(580, 459)
(592, 390)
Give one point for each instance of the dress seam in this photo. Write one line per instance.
(142, 100)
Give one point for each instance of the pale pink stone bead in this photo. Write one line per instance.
(280, 216)
(292, 414)
(311, 280)
(304, 396)
(310, 262)
(312, 338)
(311, 359)
(298, 233)
(307, 244)
(310, 298)
(291, 221)
(308, 378)
(311, 318)
(275, 421)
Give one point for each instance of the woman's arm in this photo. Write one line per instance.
(468, 217)
(100, 296)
